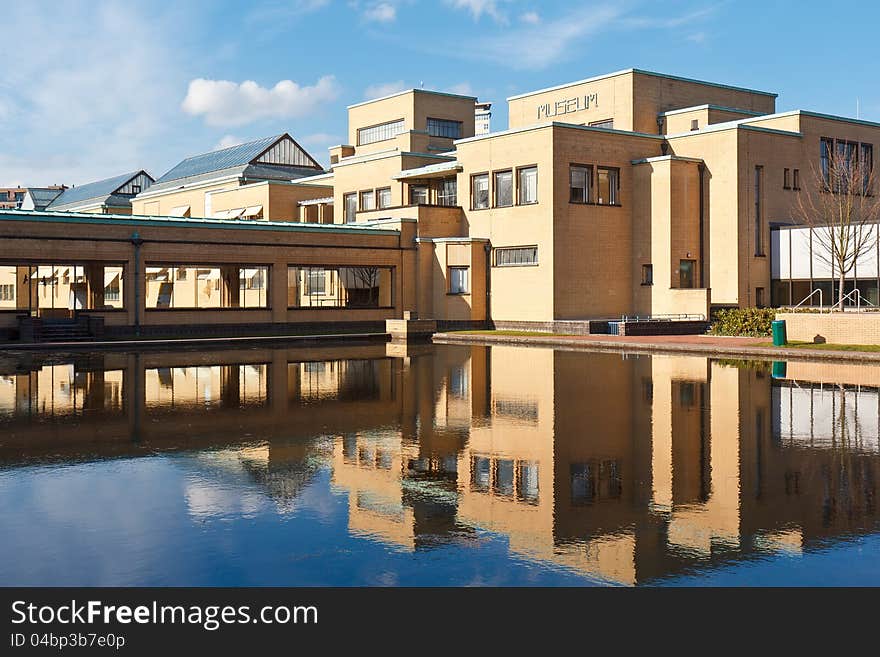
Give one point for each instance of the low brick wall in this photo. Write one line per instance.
(832, 328)
(696, 327)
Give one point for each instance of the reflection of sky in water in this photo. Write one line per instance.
(161, 521)
(469, 466)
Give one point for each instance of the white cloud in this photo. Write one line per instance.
(383, 89)
(103, 106)
(226, 103)
(381, 12)
(320, 139)
(545, 43)
(462, 88)
(228, 141)
(530, 17)
(479, 7)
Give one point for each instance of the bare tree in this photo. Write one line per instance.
(841, 208)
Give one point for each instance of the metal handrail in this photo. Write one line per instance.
(810, 296)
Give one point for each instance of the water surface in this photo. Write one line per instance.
(435, 465)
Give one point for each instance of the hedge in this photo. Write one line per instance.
(743, 321)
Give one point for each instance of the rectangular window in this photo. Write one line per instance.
(647, 274)
(759, 211)
(604, 123)
(826, 145)
(368, 200)
(325, 286)
(383, 197)
(379, 132)
(759, 297)
(458, 280)
(480, 191)
(527, 185)
(786, 179)
(580, 182)
(695, 124)
(205, 286)
(866, 162)
(349, 205)
(444, 128)
(686, 273)
(503, 188)
(447, 192)
(796, 179)
(418, 194)
(608, 186)
(516, 256)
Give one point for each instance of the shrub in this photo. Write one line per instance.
(743, 321)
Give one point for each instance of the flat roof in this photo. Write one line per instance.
(643, 72)
(185, 222)
(720, 108)
(558, 124)
(413, 90)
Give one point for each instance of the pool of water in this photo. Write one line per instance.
(435, 465)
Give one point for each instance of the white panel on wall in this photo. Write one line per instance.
(866, 267)
(821, 255)
(800, 252)
(780, 265)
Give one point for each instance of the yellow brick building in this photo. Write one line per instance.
(632, 193)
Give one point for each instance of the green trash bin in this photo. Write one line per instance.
(778, 329)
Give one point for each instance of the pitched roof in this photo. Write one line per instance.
(240, 156)
(99, 190)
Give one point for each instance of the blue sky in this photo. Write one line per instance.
(93, 89)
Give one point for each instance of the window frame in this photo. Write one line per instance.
(363, 194)
(589, 188)
(473, 178)
(467, 280)
(519, 187)
(379, 191)
(401, 121)
(413, 188)
(614, 191)
(495, 175)
(499, 249)
(647, 274)
(345, 207)
(459, 124)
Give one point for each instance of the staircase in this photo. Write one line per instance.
(40, 329)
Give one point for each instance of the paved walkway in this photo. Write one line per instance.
(707, 345)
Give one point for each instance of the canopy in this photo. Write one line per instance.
(252, 211)
(180, 211)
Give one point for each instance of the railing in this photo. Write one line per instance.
(810, 296)
(663, 318)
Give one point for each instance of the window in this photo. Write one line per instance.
(609, 186)
(480, 191)
(847, 158)
(444, 128)
(580, 182)
(202, 286)
(516, 256)
(686, 273)
(695, 124)
(316, 282)
(458, 280)
(826, 144)
(759, 210)
(368, 200)
(349, 204)
(647, 274)
(379, 132)
(383, 197)
(786, 179)
(759, 297)
(503, 189)
(866, 160)
(796, 179)
(604, 123)
(527, 185)
(418, 194)
(135, 189)
(447, 194)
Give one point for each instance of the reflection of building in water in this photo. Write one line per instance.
(623, 468)
(60, 391)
